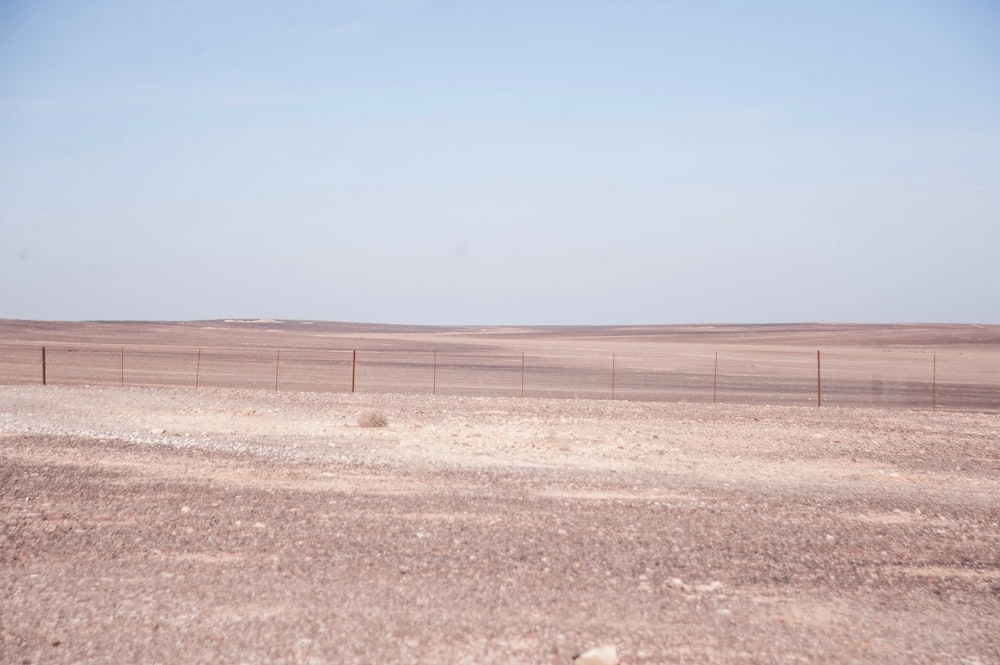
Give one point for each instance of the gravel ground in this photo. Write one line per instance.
(160, 526)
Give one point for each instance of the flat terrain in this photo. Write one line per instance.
(249, 525)
(955, 367)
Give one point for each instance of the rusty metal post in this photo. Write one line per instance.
(277, 361)
(612, 377)
(354, 369)
(123, 367)
(522, 373)
(819, 383)
(197, 371)
(934, 385)
(715, 380)
(44, 382)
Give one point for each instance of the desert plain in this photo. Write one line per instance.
(526, 502)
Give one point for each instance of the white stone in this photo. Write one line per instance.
(602, 655)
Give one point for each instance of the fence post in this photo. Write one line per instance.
(715, 380)
(612, 377)
(123, 367)
(277, 361)
(197, 371)
(934, 385)
(354, 368)
(44, 382)
(819, 383)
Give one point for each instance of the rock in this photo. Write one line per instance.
(707, 588)
(602, 655)
(677, 583)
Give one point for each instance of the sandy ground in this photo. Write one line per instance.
(161, 525)
(953, 367)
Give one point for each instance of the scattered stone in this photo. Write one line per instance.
(602, 655)
(678, 584)
(715, 585)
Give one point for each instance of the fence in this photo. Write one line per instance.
(842, 377)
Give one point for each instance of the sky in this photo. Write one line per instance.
(501, 162)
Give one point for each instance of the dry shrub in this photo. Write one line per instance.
(373, 419)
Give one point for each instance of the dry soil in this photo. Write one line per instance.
(167, 525)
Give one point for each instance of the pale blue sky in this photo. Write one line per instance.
(410, 161)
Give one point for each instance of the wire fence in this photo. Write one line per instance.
(917, 379)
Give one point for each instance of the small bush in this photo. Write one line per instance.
(373, 419)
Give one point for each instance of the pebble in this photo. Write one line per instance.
(602, 655)
(678, 583)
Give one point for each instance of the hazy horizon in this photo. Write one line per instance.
(420, 162)
(403, 324)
